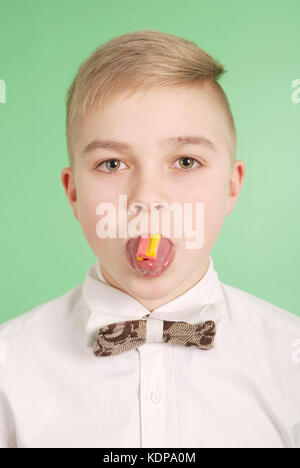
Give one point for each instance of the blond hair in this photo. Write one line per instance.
(140, 59)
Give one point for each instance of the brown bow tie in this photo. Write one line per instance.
(119, 337)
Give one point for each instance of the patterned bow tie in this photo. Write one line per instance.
(119, 337)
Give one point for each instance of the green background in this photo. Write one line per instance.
(42, 44)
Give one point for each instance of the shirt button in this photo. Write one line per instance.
(156, 397)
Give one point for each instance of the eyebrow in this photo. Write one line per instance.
(178, 141)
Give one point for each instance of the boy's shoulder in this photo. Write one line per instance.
(55, 309)
(251, 308)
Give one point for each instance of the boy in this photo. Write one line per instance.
(152, 349)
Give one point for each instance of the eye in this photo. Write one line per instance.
(110, 165)
(186, 162)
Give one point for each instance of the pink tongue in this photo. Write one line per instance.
(149, 265)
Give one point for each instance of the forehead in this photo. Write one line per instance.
(147, 117)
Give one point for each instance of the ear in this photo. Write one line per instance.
(235, 184)
(68, 182)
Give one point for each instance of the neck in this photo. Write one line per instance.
(150, 304)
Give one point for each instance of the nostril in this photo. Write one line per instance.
(138, 207)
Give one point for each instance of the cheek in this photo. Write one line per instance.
(215, 209)
(213, 194)
(89, 197)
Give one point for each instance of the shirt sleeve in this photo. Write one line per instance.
(296, 387)
(7, 422)
(7, 430)
(296, 434)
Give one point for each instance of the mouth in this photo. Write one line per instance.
(150, 267)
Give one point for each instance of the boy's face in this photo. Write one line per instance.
(153, 171)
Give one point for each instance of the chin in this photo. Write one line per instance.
(151, 288)
(151, 292)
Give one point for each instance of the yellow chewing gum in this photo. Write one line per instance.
(153, 245)
(148, 247)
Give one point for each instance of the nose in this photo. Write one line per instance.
(151, 213)
(140, 206)
(149, 200)
(148, 192)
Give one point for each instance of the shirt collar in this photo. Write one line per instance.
(107, 304)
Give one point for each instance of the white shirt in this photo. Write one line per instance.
(245, 392)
